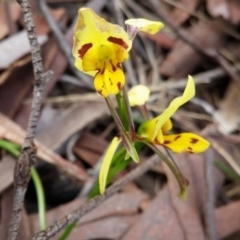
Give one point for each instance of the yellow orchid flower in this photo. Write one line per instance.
(155, 130)
(100, 47)
(138, 95)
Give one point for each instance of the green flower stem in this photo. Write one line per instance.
(126, 140)
(175, 170)
(115, 116)
(122, 111)
(144, 111)
(14, 149)
(129, 114)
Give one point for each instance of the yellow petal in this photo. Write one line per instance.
(116, 80)
(90, 61)
(100, 85)
(150, 129)
(93, 30)
(106, 164)
(159, 137)
(189, 93)
(147, 129)
(185, 142)
(138, 95)
(167, 126)
(143, 25)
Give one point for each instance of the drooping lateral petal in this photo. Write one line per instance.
(143, 25)
(150, 129)
(100, 84)
(189, 93)
(185, 142)
(106, 163)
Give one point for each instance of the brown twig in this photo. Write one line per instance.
(62, 42)
(28, 153)
(210, 222)
(211, 53)
(93, 203)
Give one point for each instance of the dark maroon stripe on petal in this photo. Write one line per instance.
(84, 49)
(118, 41)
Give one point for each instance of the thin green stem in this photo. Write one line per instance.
(40, 197)
(174, 163)
(115, 116)
(14, 149)
(181, 181)
(129, 114)
(144, 111)
(122, 111)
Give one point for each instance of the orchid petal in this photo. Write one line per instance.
(185, 142)
(143, 25)
(106, 163)
(138, 95)
(189, 93)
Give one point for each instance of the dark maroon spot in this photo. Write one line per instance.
(119, 85)
(189, 148)
(110, 81)
(118, 41)
(100, 92)
(194, 140)
(113, 67)
(84, 49)
(177, 137)
(166, 142)
(190, 152)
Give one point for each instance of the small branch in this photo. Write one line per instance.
(27, 156)
(93, 203)
(210, 222)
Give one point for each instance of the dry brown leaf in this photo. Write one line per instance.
(109, 220)
(10, 50)
(7, 165)
(14, 133)
(15, 12)
(90, 147)
(159, 221)
(6, 208)
(190, 211)
(42, 26)
(181, 16)
(218, 8)
(183, 59)
(72, 120)
(228, 219)
(162, 39)
(228, 9)
(229, 109)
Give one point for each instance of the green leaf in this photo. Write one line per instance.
(227, 170)
(117, 165)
